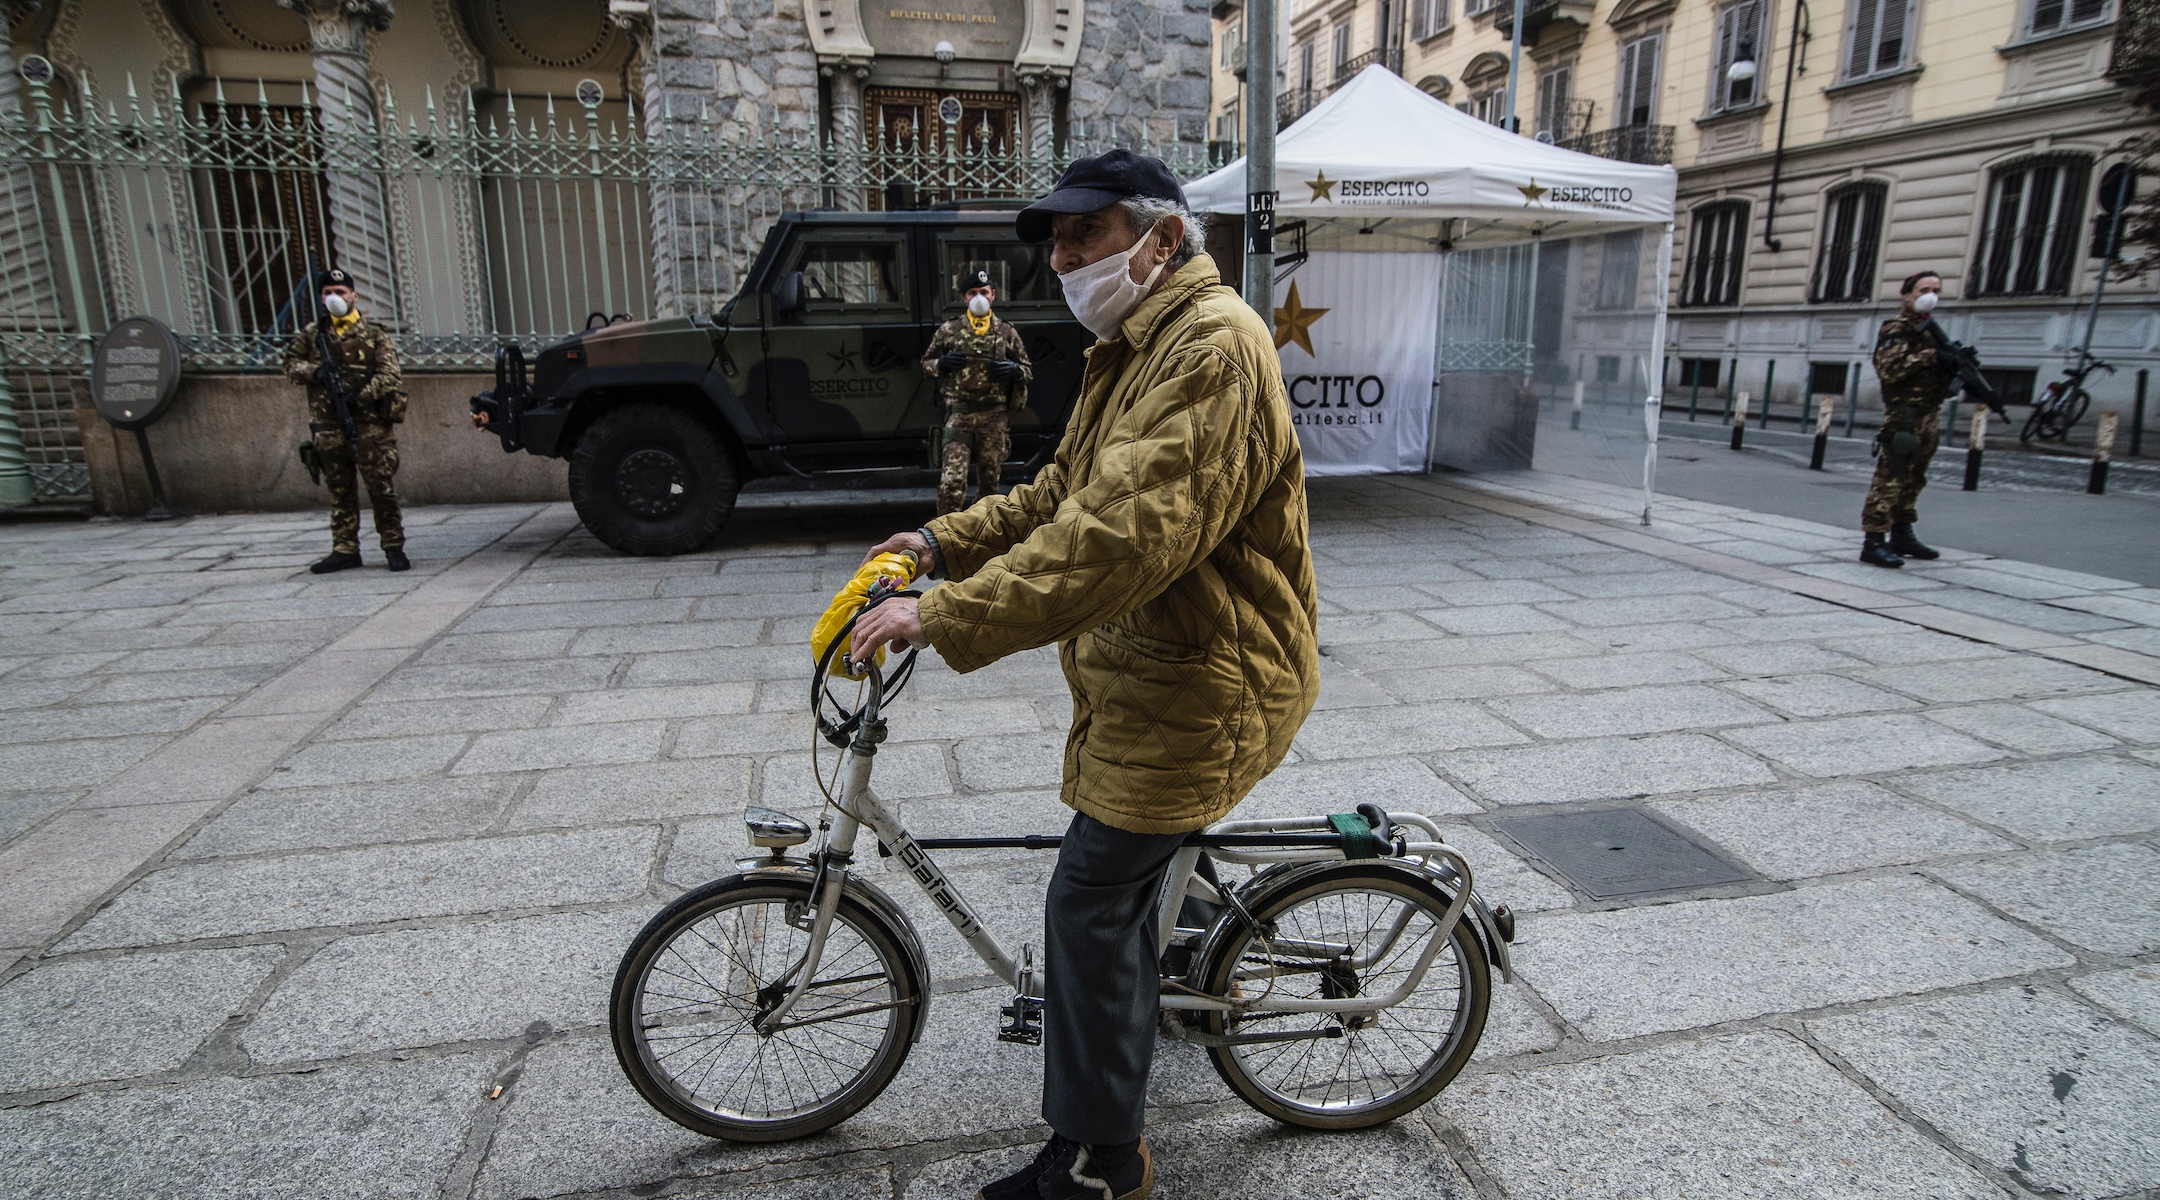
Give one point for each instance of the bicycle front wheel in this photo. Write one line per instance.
(702, 973)
(1354, 930)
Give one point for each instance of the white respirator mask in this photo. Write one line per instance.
(1102, 294)
(979, 306)
(1925, 303)
(335, 306)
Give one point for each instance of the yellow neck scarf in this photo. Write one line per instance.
(981, 325)
(344, 325)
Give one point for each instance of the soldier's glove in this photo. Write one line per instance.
(1005, 372)
(952, 361)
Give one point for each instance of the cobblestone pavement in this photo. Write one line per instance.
(317, 884)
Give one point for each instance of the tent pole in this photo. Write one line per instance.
(1655, 397)
(1260, 159)
(1432, 417)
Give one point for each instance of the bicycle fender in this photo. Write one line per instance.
(870, 896)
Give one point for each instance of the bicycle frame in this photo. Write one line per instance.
(858, 806)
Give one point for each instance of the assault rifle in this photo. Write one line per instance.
(1962, 361)
(327, 376)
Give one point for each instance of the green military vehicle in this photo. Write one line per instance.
(812, 372)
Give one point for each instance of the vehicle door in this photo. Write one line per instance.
(843, 352)
(1030, 300)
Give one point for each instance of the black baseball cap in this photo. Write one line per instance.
(335, 277)
(1098, 182)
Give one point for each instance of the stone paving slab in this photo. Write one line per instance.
(1753, 1115)
(2054, 1094)
(112, 1018)
(1829, 830)
(1680, 966)
(2099, 897)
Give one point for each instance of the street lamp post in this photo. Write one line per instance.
(1260, 159)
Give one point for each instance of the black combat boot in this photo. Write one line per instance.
(1876, 551)
(338, 561)
(1906, 545)
(395, 556)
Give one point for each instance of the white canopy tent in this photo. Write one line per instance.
(1380, 156)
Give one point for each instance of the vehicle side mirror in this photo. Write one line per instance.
(789, 298)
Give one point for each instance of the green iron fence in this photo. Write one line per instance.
(515, 223)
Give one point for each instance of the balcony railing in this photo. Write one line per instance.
(1537, 14)
(1391, 58)
(1296, 102)
(1649, 144)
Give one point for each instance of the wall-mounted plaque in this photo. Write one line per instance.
(135, 372)
(984, 30)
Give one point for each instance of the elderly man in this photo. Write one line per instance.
(1165, 553)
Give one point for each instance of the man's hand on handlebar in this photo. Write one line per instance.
(911, 541)
(895, 623)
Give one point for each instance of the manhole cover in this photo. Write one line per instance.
(1618, 852)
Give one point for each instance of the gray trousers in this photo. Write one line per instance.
(1102, 994)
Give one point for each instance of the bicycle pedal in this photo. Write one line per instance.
(1023, 1021)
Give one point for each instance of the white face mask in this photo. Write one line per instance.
(1924, 303)
(979, 306)
(335, 306)
(1102, 294)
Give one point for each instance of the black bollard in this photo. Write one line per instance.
(2137, 421)
(1974, 445)
(2103, 449)
(1825, 408)
(1739, 419)
(1574, 420)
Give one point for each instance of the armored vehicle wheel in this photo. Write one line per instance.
(652, 479)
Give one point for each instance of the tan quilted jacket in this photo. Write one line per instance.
(1165, 551)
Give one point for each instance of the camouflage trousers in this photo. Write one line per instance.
(1899, 477)
(982, 441)
(376, 466)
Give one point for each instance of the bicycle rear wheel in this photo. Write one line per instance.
(1356, 929)
(715, 960)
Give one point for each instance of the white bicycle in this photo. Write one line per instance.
(1338, 987)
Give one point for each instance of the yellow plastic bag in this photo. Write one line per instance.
(899, 566)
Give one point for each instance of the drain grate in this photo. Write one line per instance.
(1617, 852)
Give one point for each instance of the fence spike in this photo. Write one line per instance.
(219, 91)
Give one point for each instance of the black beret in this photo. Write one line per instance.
(977, 278)
(335, 277)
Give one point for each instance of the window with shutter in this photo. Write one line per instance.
(2055, 16)
(1638, 81)
(1552, 102)
(1851, 243)
(1879, 36)
(2031, 226)
(1739, 40)
(1717, 241)
(1342, 49)
(1617, 272)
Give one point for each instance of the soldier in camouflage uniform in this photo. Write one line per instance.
(374, 387)
(983, 373)
(1914, 385)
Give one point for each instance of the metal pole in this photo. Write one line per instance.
(1694, 390)
(1852, 399)
(2122, 200)
(1514, 68)
(1769, 377)
(1260, 191)
(159, 510)
(1655, 401)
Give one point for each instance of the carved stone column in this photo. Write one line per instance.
(635, 19)
(1040, 88)
(846, 127)
(345, 99)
